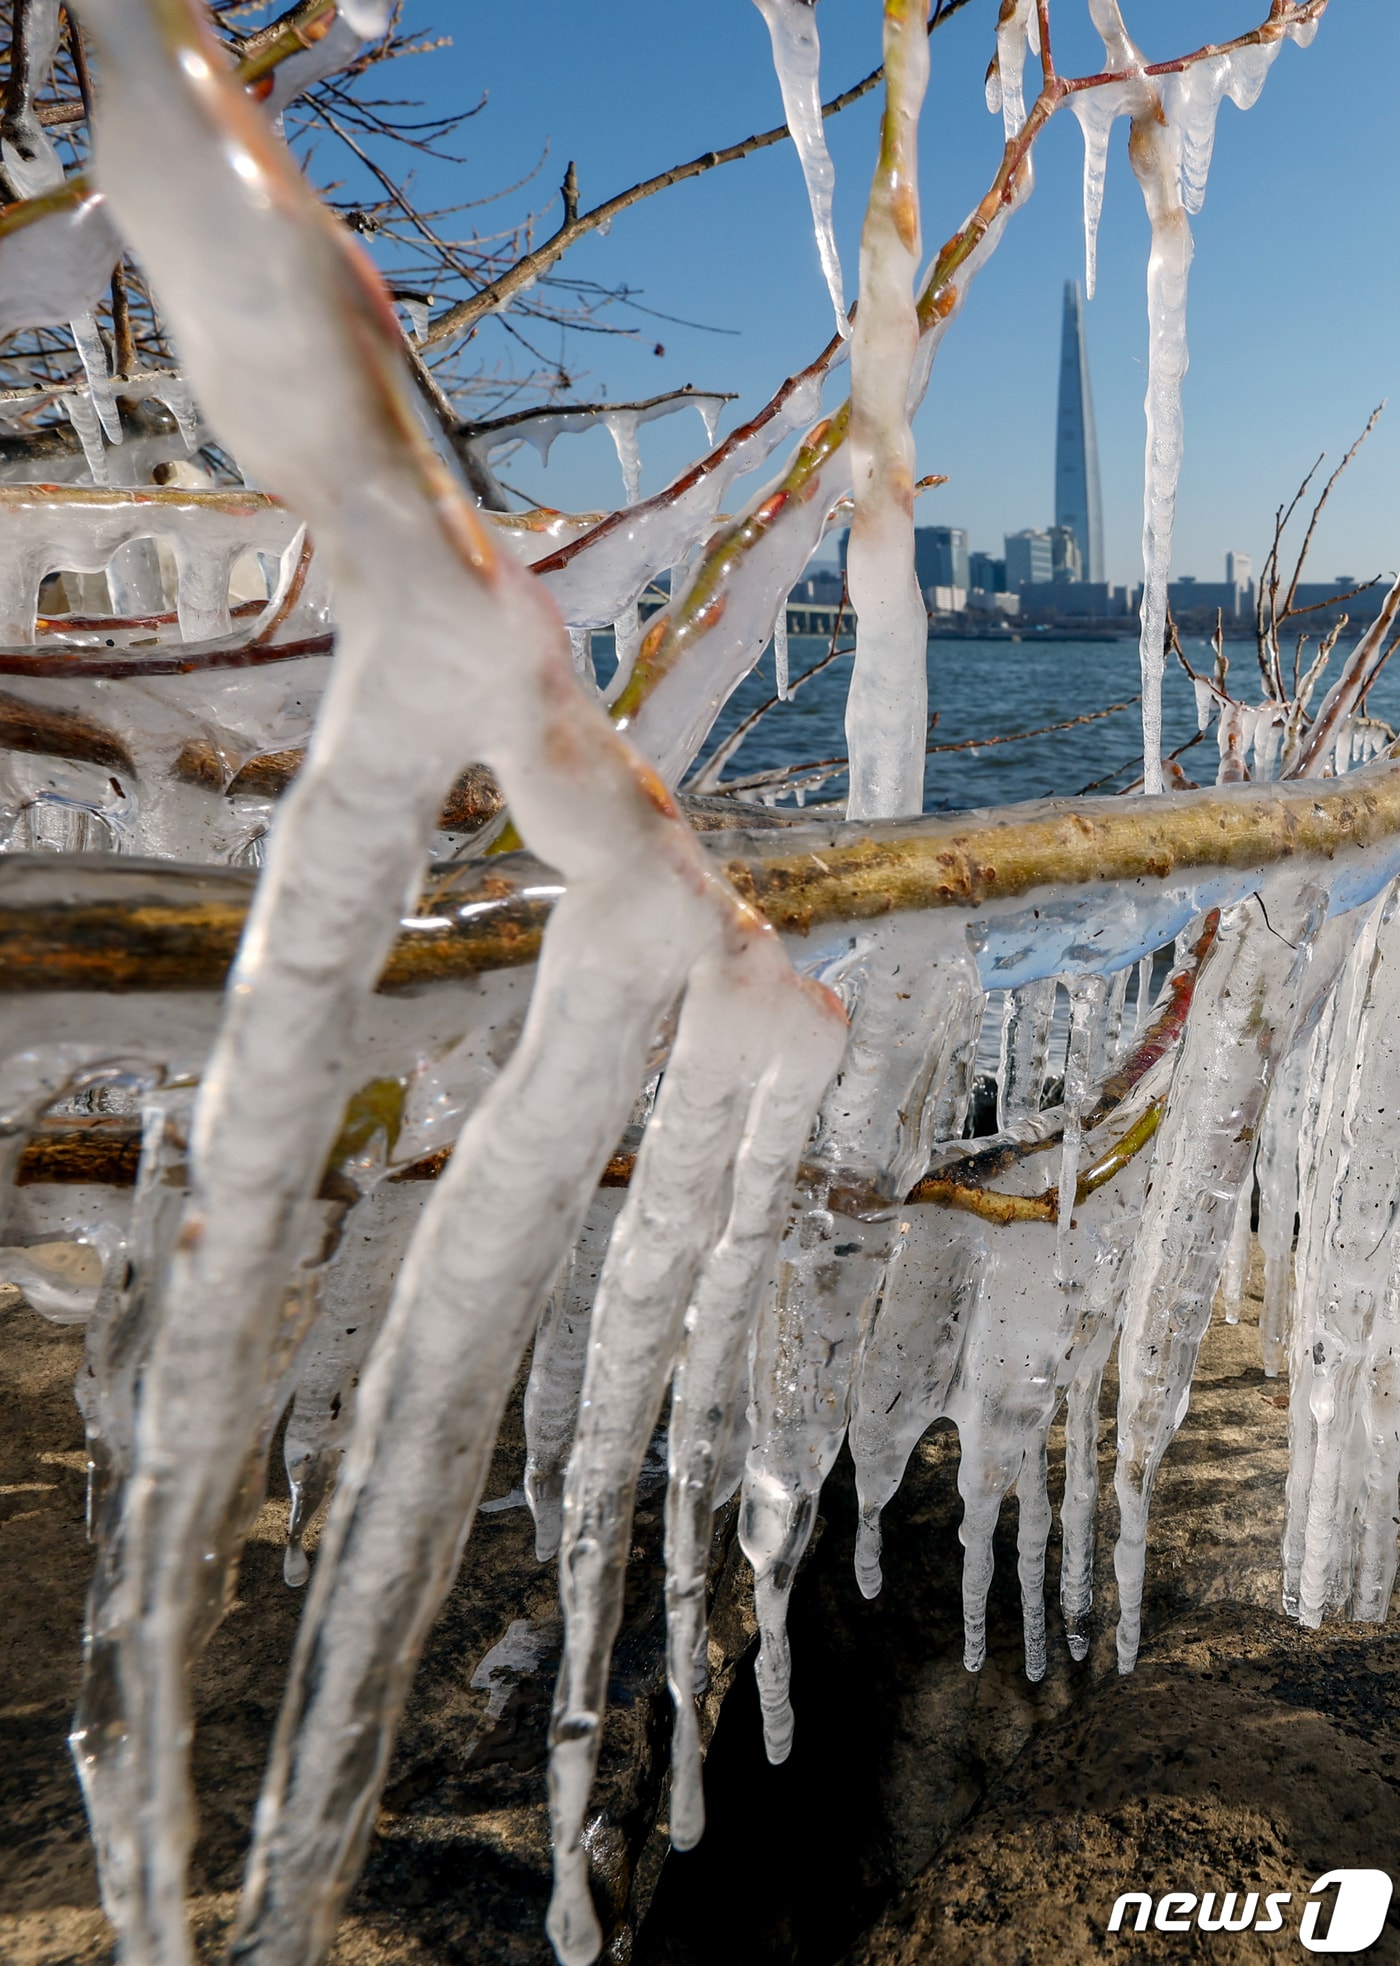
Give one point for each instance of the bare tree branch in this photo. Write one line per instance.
(491, 299)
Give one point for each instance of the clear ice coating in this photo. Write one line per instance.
(792, 28)
(356, 1206)
(344, 442)
(887, 704)
(1171, 138)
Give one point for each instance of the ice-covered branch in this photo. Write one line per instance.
(696, 652)
(523, 275)
(887, 706)
(185, 924)
(448, 649)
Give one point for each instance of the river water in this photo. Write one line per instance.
(986, 689)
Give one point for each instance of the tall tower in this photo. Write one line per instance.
(1078, 501)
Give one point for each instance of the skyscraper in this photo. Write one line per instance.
(1078, 501)
(940, 556)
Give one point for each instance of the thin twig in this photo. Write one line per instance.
(832, 765)
(1136, 759)
(1288, 607)
(489, 299)
(706, 780)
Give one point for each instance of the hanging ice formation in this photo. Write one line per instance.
(1172, 136)
(792, 28)
(387, 1180)
(888, 701)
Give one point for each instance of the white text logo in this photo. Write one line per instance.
(1349, 1905)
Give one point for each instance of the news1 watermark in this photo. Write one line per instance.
(1344, 1911)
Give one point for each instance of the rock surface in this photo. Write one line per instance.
(928, 1815)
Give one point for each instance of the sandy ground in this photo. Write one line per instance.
(926, 1816)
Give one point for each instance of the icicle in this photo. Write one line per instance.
(83, 416)
(119, 1337)
(1169, 149)
(1192, 99)
(874, 1136)
(1246, 1002)
(93, 354)
(1267, 735)
(1086, 1001)
(1097, 110)
(581, 650)
(622, 428)
(1016, 29)
(1109, 1045)
(1156, 161)
(1025, 1048)
(792, 28)
(926, 1311)
(732, 1118)
(886, 708)
(1339, 1538)
(708, 1381)
(172, 390)
(1288, 1136)
(627, 638)
(1232, 741)
(709, 408)
(476, 666)
(352, 1296)
(1235, 1267)
(780, 634)
(1143, 998)
(1082, 1489)
(556, 1371)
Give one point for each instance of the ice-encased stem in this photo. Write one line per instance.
(1277, 1165)
(1025, 1047)
(792, 28)
(927, 1307)
(1087, 996)
(887, 707)
(250, 271)
(704, 1412)
(1247, 999)
(556, 1371)
(1154, 148)
(1005, 88)
(903, 1085)
(1339, 1538)
(1169, 147)
(673, 1228)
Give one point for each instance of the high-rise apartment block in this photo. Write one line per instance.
(1030, 559)
(940, 557)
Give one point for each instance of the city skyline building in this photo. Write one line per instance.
(940, 556)
(1078, 496)
(1065, 553)
(1030, 558)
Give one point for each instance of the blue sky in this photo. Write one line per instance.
(1294, 296)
